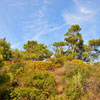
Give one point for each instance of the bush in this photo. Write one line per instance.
(91, 89)
(4, 78)
(43, 81)
(77, 61)
(4, 86)
(25, 93)
(14, 67)
(74, 89)
(42, 65)
(71, 56)
(70, 69)
(1, 60)
(57, 62)
(57, 98)
(4, 95)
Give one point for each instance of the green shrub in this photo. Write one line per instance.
(4, 86)
(74, 89)
(57, 62)
(70, 69)
(4, 95)
(1, 60)
(14, 67)
(4, 78)
(57, 98)
(43, 81)
(25, 92)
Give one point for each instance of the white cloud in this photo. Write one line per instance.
(84, 8)
(75, 18)
(87, 11)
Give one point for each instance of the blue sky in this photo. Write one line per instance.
(47, 20)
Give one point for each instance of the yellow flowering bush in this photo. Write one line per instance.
(57, 62)
(77, 61)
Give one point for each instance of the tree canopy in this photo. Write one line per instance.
(37, 51)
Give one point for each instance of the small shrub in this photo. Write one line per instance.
(43, 81)
(4, 86)
(1, 60)
(16, 66)
(57, 98)
(57, 62)
(25, 93)
(70, 69)
(4, 78)
(77, 61)
(42, 65)
(74, 89)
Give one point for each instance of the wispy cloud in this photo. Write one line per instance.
(35, 18)
(75, 18)
(39, 23)
(21, 3)
(50, 30)
(48, 1)
(17, 44)
(13, 4)
(84, 15)
(37, 36)
(81, 14)
(87, 11)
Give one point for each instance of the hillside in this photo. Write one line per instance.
(56, 79)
